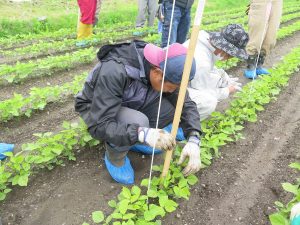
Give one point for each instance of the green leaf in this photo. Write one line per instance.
(135, 190)
(85, 223)
(117, 223)
(170, 206)
(295, 166)
(278, 219)
(128, 216)
(290, 188)
(97, 216)
(23, 180)
(117, 215)
(112, 203)
(192, 179)
(279, 204)
(126, 193)
(152, 194)
(123, 206)
(153, 212)
(156, 168)
(145, 182)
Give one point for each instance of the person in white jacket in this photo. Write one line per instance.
(211, 85)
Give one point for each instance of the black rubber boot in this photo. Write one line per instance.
(260, 70)
(250, 72)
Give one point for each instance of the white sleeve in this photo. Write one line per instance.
(222, 93)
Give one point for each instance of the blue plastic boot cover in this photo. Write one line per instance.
(296, 220)
(179, 135)
(144, 149)
(82, 43)
(123, 174)
(5, 148)
(262, 71)
(250, 74)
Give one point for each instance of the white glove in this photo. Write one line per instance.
(233, 79)
(191, 150)
(158, 137)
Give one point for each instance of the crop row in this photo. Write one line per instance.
(45, 47)
(282, 217)
(40, 97)
(219, 130)
(46, 66)
(131, 205)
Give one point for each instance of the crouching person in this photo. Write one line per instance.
(212, 85)
(120, 99)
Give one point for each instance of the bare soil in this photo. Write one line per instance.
(239, 188)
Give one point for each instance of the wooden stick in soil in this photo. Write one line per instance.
(184, 82)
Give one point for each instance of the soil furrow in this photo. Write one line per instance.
(239, 175)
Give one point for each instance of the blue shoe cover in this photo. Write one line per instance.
(82, 43)
(250, 74)
(179, 135)
(296, 220)
(123, 174)
(145, 149)
(5, 148)
(262, 71)
(138, 33)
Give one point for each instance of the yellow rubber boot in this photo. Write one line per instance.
(84, 30)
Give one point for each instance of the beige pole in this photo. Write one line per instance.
(184, 82)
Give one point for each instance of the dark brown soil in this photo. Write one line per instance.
(242, 185)
(239, 188)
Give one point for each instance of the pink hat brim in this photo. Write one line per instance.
(155, 55)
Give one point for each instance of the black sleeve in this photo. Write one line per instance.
(190, 118)
(105, 105)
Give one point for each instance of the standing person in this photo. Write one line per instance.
(181, 21)
(5, 148)
(120, 99)
(212, 85)
(264, 21)
(88, 19)
(97, 13)
(146, 8)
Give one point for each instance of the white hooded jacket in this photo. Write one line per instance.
(210, 85)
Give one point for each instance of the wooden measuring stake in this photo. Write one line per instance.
(184, 81)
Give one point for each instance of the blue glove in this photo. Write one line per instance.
(5, 148)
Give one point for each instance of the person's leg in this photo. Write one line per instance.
(270, 37)
(167, 23)
(97, 12)
(258, 24)
(166, 116)
(129, 116)
(183, 26)
(152, 8)
(141, 17)
(273, 26)
(116, 160)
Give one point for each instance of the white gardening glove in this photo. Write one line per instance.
(191, 150)
(158, 137)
